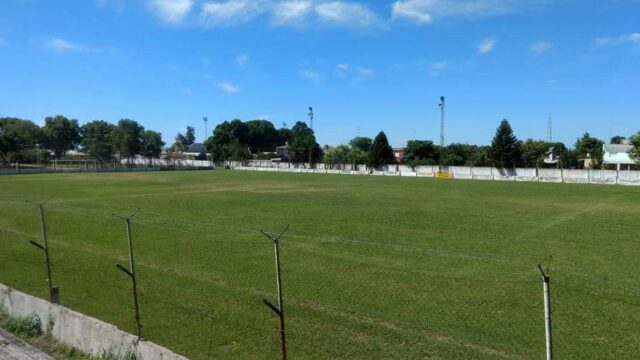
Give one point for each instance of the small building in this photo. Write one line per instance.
(196, 151)
(398, 153)
(283, 151)
(615, 154)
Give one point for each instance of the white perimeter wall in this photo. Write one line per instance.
(623, 177)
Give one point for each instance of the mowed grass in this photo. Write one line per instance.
(374, 267)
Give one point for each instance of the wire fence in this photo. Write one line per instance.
(203, 285)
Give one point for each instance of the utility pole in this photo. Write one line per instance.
(131, 272)
(546, 280)
(310, 117)
(54, 294)
(206, 132)
(279, 310)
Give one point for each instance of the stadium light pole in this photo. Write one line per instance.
(206, 132)
(442, 108)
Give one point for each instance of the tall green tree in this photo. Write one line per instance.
(97, 140)
(152, 144)
(420, 152)
(357, 157)
(505, 149)
(61, 134)
(229, 141)
(534, 152)
(361, 143)
(338, 155)
(17, 138)
(635, 150)
(263, 136)
(284, 136)
(590, 147)
(190, 136)
(479, 156)
(457, 154)
(183, 141)
(127, 138)
(381, 152)
(302, 145)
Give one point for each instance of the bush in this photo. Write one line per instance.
(24, 327)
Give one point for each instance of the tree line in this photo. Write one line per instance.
(505, 151)
(237, 140)
(24, 141)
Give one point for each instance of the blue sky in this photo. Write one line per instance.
(364, 66)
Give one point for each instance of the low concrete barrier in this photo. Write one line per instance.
(475, 173)
(84, 333)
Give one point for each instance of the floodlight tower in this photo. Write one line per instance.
(442, 107)
(311, 117)
(206, 132)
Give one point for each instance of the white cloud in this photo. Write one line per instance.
(309, 75)
(540, 47)
(486, 46)
(437, 67)
(171, 11)
(354, 74)
(426, 11)
(241, 60)
(345, 13)
(623, 39)
(64, 45)
(230, 88)
(231, 11)
(416, 10)
(364, 72)
(291, 11)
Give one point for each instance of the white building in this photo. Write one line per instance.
(617, 155)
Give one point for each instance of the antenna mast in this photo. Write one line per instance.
(442, 107)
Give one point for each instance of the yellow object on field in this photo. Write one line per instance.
(444, 175)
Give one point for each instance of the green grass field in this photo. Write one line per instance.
(374, 267)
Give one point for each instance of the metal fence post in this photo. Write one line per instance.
(131, 272)
(279, 310)
(54, 294)
(547, 312)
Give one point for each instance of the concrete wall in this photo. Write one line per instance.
(623, 177)
(84, 333)
(167, 162)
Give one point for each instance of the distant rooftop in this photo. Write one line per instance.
(197, 148)
(617, 148)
